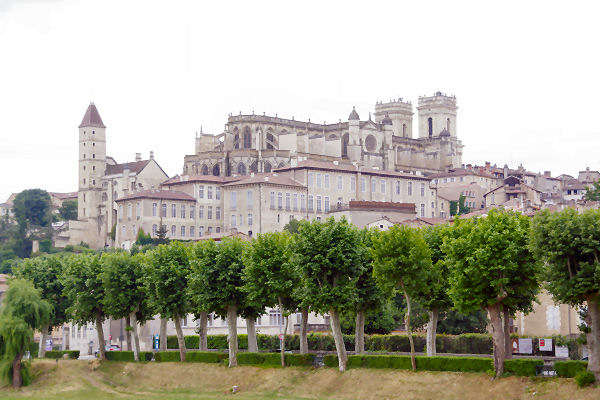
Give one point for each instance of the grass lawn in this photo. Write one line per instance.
(90, 380)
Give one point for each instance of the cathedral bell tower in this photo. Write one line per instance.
(92, 164)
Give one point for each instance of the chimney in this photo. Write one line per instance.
(469, 167)
(487, 165)
(151, 155)
(138, 156)
(547, 174)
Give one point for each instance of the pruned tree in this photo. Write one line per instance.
(23, 311)
(32, 208)
(166, 271)
(491, 267)
(329, 259)
(568, 245)
(45, 273)
(83, 286)
(401, 256)
(68, 210)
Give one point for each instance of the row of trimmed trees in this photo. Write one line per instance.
(495, 263)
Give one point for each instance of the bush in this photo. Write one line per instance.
(584, 378)
(127, 356)
(205, 357)
(167, 356)
(457, 364)
(568, 369)
(522, 366)
(33, 349)
(73, 354)
(274, 359)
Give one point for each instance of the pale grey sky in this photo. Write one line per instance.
(526, 75)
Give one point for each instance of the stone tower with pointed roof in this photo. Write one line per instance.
(92, 164)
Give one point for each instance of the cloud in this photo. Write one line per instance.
(6, 5)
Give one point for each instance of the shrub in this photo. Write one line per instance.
(167, 356)
(458, 364)
(522, 366)
(274, 359)
(584, 378)
(73, 354)
(568, 369)
(127, 356)
(205, 357)
(33, 349)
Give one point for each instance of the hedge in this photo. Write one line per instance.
(167, 356)
(274, 359)
(206, 357)
(522, 366)
(127, 355)
(73, 354)
(568, 369)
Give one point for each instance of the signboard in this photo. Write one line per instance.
(48, 344)
(525, 346)
(280, 336)
(156, 342)
(545, 344)
(562, 351)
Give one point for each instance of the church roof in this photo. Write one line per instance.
(444, 133)
(92, 117)
(353, 115)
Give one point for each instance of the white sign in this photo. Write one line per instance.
(525, 346)
(545, 344)
(562, 351)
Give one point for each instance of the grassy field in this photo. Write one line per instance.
(92, 380)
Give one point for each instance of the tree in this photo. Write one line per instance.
(292, 226)
(166, 277)
(568, 245)
(270, 278)
(328, 256)
(400, 256)
(68, 210)
(143, 239)
(23, 311)
(452, 322)
(433, 293)
(222, 281)
(491, 268)
(32, 210)
(83, 286)
(593, 192)
(45, 273)
(122, 276)
(458, 207)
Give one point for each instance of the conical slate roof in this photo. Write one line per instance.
(92, 117)
(353, 115)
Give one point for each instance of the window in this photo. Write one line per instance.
(353, 183)
(430, 126)
(275, 318)
(462, 178)
(340, 182)
(319, 209)
(373, 185)
(209, 192)
(218, 213)
(201, 191)
(182, 211)
(138, 210)
(279, 200)
(192, 231)
(319, 183)
(310, 202)
(173, 211)
(422, 190)
(120, 212)
(397, 187)
(310, 179)
(363, 184)
(129, 211)
(218, 230)
(326, 203)
(123, 232)
(218, 193)
(409, 189)
(249, 199)
(154, 227)
(247, 138)
(201, 212)
(432, 205)
(295, 204)
(272, 200)
(250, 219)
(288, 201)
(233, 220)
(192, 212)
(422, 210)
(154, 209)
(302, 202)
(241, 220)
(209, 213)
(200, 231)
(326, 181)
(382, 184)
(173, 230)
(233, 200)
(209, 231)
(182, 231)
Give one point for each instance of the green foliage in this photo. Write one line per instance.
(382, 320)
(593, 192)
(68, 210)
(83, 286)
(113, 232)
(73, 354)
(206, 357)
(457, 364)
(455, 323)
(127, 356)
(167, 356)
(568, 369)
(32, 210)
(143, 238)
(274, 359)
(522, 366)
(292, 226)
(585, 378)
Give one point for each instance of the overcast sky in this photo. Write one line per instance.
(526, 75)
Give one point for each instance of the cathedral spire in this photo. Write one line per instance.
(92, 117)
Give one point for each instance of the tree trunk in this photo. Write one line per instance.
(134, 333)
(251, 328)
(43, 338)
(180, 339)
(431, 332)
(413, 360)
(232, 335)
(17, 380)
(128, 333)
(594, 346)
(303, 334)
(359, 333)
(202, 332)
(498, 338)
(163, 334)
(100, 330)
(334, 320)
(282, 340)
(506, 330)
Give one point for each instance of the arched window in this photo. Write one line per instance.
(254, 167)
(270, 141)
(104, 196)
(247, 138)
(236, 141)
(216, 170)
(430, 122)
(404, 130)
(448, 124)
(345, 140)
(196, 169)
(281, 165)
(241, 169)
(204, 170)
(267, 166)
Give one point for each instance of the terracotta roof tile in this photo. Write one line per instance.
(159, 195)
(135, 167)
